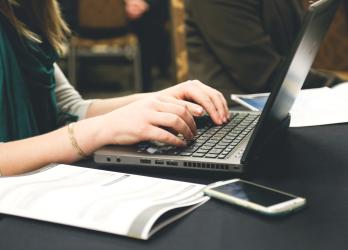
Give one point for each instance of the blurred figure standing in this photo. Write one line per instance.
(147, 20)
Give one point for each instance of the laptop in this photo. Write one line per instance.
(236, 145)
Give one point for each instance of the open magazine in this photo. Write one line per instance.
(118, 203)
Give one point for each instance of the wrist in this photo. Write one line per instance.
(90, 134)
(74, 143)
(139, 96)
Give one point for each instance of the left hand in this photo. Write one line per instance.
(194, 92)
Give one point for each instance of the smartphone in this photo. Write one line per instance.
(254, 102)
(255, 197)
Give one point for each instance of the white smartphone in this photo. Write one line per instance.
(255, 197)
(254, 102)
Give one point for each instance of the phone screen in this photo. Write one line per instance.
(253, 193)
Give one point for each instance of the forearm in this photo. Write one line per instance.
(33, 153)
(143, 120)
(99, 107)
(70, 101)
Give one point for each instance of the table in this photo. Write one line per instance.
(312, 162)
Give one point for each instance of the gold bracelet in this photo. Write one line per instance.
(73, 141)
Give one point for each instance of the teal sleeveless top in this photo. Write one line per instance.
(28, 104)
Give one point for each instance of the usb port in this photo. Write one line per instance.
(158, 162)
(172, 163)
(145, 161)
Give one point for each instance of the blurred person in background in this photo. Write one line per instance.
(37, 101)
(237, 46)
(148, 19)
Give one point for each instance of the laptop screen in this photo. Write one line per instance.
(293, 73)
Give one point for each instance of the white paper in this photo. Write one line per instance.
(320, 106)
(100, 200)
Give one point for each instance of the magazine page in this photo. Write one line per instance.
(106, 201)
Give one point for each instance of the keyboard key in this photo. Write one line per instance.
(204, 151)
(214, 141)
(211, 155)
(215, 151)
(198, 155)
(185, 154)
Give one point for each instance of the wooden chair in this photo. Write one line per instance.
(96, 18)
(177, 10)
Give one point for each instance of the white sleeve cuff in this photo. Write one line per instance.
(68, 99)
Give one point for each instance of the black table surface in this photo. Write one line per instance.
(311, 162)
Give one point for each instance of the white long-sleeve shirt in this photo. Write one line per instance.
(68, 99)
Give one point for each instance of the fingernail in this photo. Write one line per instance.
(199, 110)
(222, 119)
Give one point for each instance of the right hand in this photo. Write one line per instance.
(150, 119)
(136, 8)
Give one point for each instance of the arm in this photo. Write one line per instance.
(99, 107)
(253, 36)
(30, 154)
(142, 120)
(240, 43)
(70, 101)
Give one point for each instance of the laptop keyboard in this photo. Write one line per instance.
(214, 141)
(211, 141)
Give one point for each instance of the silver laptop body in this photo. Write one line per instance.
(260, 127)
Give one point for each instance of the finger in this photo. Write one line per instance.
(212, 110)
(193, 108)
(172, 121)
(161, 135)
(174, 106)
(218, 100)
(144, 6)
(225, 104)
(201, 97)
(227, 110)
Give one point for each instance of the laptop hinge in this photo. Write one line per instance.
(269, 144)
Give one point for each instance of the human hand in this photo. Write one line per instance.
(149, 119)
(136, 8)
(210, 99)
